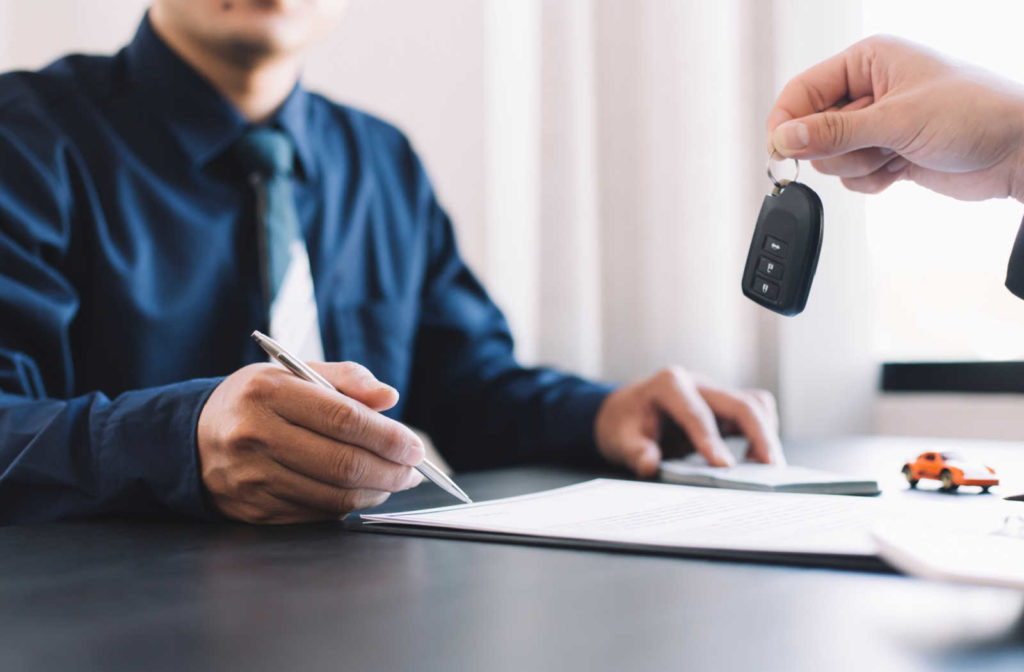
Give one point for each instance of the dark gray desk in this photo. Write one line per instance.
(171, 596)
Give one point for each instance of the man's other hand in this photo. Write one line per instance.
(887, 109)
(629, 423)
(274, 448)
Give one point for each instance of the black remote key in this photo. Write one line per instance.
(784, 250)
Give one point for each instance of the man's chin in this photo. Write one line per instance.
(264, 42)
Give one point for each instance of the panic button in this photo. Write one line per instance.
(766, 288)
(775, 246)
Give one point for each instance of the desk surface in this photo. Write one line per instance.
(123, 595)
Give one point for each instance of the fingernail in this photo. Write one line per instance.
(413, 454)
(791, 136)
(885, 151)
(897, 164)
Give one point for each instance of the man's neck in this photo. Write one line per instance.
(255, 86)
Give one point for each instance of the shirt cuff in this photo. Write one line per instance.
(572, 424)
(149, 448)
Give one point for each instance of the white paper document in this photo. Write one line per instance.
(659, 515)
(982, 557)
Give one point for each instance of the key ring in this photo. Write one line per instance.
(780, 184)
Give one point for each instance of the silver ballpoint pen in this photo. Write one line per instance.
(300, 369)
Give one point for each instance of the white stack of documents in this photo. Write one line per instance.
(658, 516)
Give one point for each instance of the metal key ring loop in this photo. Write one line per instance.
(780, 184)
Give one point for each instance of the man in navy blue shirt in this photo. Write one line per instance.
(130, 280)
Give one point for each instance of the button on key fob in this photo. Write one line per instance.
(784, 250)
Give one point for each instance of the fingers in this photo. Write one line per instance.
(346, 420)
(749, 420)
(356, 381)
(845, 76)
(270, 510)
(679, 398)
(766, 401)
(281, 503)
(857, 163)
(834, 132)
(641, 455)
(333, 463)
(810, 119)
(311, 494)
(880, 179)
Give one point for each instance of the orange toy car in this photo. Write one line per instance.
(950, 468)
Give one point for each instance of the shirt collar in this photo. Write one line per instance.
(204, 123)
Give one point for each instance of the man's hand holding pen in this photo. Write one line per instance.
(276, 449)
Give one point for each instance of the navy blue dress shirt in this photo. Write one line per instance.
(129, 284)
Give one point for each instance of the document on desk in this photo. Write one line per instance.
(983, 557)
(658, 516)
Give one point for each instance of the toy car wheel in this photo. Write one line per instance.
(985, 488)
(909, 474)
(947, 481)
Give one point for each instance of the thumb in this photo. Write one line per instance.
(832, 132)
(355, 381)
(641, 455)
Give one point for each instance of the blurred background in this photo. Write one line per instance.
(603, 162)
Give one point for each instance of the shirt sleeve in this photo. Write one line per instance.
(64, 453)
(1015, 269)
(467, 391)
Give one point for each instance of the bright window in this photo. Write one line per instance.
(939, 264)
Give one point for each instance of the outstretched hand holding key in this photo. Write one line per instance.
(887, 109)
(882, 110)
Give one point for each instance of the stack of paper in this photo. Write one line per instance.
(770, 526)
(764, 477)
(664, 517)
(980, 557)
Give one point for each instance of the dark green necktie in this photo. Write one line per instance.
(267, 156)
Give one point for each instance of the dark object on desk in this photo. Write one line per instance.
(784, 249)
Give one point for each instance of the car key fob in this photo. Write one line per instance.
(784, 250)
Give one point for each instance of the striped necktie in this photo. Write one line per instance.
(268, 157)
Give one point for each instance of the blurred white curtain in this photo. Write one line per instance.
(631, 156)
(625, 163)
